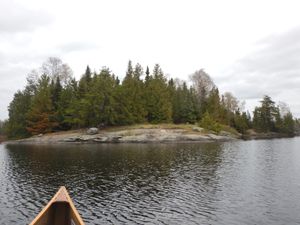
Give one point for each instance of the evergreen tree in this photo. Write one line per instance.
(56, 90)
(85, 82)
(184, 105)
(241, 122)
(18, 108)
(264, 117)
(41, 116)
(132, 88)
(288, 124)
(158, 101)
(147, 73)
(209, 123)
(68, 107)
(49, 103)
(88, 75)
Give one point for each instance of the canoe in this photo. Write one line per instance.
(59, 211)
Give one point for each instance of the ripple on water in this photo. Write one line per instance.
(255, 182)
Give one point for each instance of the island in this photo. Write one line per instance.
(144, 107)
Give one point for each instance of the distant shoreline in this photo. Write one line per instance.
(265, 136)
(131, 134)
(165, 133)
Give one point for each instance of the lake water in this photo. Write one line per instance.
(242, 182)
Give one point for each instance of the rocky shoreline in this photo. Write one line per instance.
(148, 135)
(262, 136)
(143, 135)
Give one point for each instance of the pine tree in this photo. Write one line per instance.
(147, 73)
(56, 90)
(85, 82)
(88, 74)
(264, 117)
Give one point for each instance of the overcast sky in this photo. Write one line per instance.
(249, 48)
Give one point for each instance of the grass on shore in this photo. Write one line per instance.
(187, 127)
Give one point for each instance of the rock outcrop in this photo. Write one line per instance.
(92, 131)
(140, 135)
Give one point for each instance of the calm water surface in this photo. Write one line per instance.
(252, 182)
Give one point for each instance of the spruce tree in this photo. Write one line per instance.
(157, 98)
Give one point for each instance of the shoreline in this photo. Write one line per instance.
(144, 134)
(133, 135)
(266, 136)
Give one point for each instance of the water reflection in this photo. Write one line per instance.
(213, 183)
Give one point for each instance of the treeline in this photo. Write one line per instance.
(54, 100)
(271, 118)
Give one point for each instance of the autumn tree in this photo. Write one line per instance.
(55, 68)
(203, 85)
(54, 100)
(41, 115)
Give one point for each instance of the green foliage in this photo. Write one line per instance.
(53, 100)
(132, 89)
(267, 118)
(67, 106)
(41, 117)
(241, 122)
(288, 124)
(297, 126)
(213, 105)
(209, 123)
(84, 82)
(184, 104)
(157, 98)
(18, 108)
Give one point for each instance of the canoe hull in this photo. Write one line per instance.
(59, 211)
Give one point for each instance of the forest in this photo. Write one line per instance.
(53, 100)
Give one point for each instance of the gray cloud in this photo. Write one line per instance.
(16, 18)
(11, 80)
(273, 69)
(77, 46)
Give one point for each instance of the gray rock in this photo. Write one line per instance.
(71, 139)
(92, 131)
(225, 133)
(198, 129)
(218, 137)
(100, 139)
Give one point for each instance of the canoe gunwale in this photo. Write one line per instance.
(61, 196)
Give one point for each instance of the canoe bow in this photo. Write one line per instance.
(59, 211)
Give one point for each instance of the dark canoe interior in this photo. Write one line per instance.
(59, 213)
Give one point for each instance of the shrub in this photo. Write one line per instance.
(209, 123)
